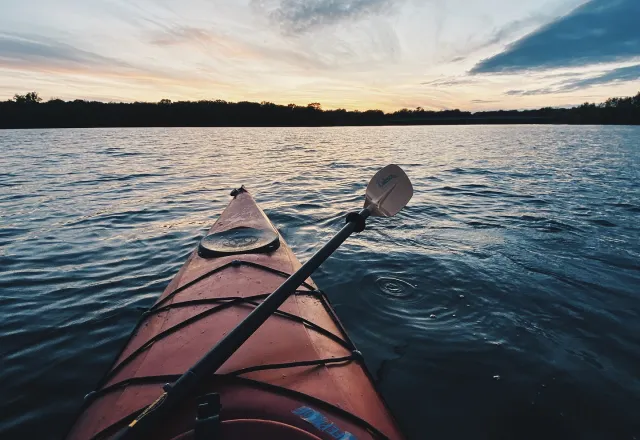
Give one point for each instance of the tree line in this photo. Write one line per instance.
(29, 111)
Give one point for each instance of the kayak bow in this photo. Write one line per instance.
(298, 376)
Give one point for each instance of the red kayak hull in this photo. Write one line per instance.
(205, 300)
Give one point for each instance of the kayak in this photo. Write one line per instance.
(299, 376)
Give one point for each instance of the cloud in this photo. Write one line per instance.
(299, 16)
(482, 101)
(31, 53)
(564, 75)
(544, 91)
(274, 53)
(233, 49)
(509, 29)
(596, 32)
(505, 32)
(621, 74)
(172, 36)
(450, 81)
(28, 51)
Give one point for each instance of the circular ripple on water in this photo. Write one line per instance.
(395, 287)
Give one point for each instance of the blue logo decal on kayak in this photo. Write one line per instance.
(320, 421)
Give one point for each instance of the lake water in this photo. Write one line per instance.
(503, 302)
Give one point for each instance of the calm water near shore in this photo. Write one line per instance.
(503, 303)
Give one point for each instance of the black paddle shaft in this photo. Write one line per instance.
(218, 355)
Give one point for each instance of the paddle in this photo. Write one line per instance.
(387, 193)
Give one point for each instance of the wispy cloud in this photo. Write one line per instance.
(32, 53)
(508, 30)
(596, 32)
(500, 34)
(533, 92)
(450, 81)
(299, 16)
(172, 36)
(29, 51)
(233, 49)
(621, 74)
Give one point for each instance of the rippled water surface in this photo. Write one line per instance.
(504, 302)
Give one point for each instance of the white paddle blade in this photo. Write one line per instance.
(388, 192)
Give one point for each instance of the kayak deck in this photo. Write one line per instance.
(297, 376)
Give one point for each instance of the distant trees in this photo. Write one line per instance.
(29, 98)
(612, 111)
(20, 112)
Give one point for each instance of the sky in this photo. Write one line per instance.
(354, 54)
